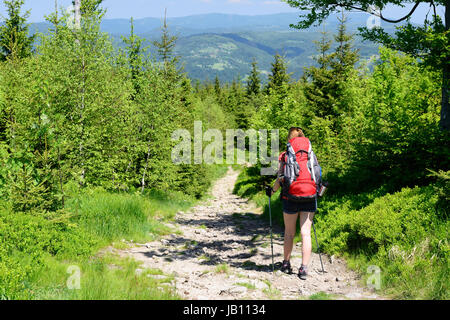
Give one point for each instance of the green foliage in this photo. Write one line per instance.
(166, 45)
(134, 53)
(82, 128)
(279, 77)
(429, 42)
(327, 86)
(31, 246)
(254, 80)
(401, 125)
(442, 189)
(113, 216)
(375, 134)
(321, 296)
(15, 42)
(401, 233)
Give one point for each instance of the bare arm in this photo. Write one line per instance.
(277, 184)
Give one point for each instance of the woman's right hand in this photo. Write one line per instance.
(269, 191)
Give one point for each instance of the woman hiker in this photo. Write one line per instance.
(293, 209)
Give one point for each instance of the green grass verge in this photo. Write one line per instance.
(39, 253)
(321, 296)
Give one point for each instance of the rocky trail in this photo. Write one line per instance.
(222, 251)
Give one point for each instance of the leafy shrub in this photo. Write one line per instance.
(12, 275)
(401, 233)
(442, 189)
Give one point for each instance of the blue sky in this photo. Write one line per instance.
(178, 8)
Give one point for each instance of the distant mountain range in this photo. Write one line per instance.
(225, 44)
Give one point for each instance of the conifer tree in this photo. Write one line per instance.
(15, 41)
(279, 77)
(217, 86)
(166, 46)
(134, 53)
(343, 64)
(254, 80)
(345, 56)
(326, 90)
(318, 88)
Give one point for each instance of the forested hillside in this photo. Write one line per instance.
(225, 45)
(86, 142)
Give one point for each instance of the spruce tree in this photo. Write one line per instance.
(317, 79)
(217, 89)
(15, 41)
(345, 56)
(254, 80)
(166, 46)
(279, 78)
(343, 64)
(326, 84)
(134, 52)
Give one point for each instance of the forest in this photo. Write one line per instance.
(85, 152)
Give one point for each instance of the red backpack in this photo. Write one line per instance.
(302, 173)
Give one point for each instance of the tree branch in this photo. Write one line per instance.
(381, 15)
(405, 17)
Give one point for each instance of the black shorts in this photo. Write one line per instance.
(291, 207)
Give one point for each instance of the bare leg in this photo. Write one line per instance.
(306, 219)
(290, 223)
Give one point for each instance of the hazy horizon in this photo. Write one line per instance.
(141, 9)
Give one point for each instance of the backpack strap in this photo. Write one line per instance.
(311, 162)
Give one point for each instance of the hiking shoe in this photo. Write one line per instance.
(286, 267)
(302, 273)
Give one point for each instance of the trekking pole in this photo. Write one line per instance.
(317, 242)
(271, 237)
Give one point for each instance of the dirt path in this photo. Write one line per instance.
(223, 252)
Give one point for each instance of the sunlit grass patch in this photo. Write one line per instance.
(222, 268)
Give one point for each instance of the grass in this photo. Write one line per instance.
(256, 238)
(247, 285)
(123, 216)
(321, 296)
(106, 278)
(271, 292)
(222, 268)
(46, 248)
(190, 244)
(204, 258)
(39, 253)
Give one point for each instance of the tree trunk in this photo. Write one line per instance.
(445, 119)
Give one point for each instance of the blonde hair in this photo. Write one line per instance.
(295, 133)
